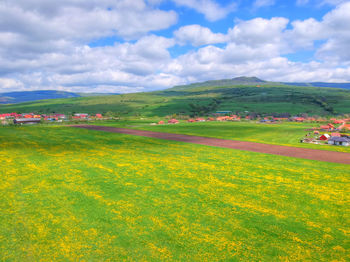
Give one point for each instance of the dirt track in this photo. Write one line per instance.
(305, 153)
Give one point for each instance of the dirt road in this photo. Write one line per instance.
(305, 153)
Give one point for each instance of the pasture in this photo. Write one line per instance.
(70, 194)
(284, 133)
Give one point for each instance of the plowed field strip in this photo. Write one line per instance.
(305, 153)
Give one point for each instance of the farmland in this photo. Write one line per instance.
(284, 133)
(69, 194)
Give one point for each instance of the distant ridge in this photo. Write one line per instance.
(29, 96)
(242, 80)
(241, 95)
(320, 84)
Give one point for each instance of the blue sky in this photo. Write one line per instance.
(140, 45)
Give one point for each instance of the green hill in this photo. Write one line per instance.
(237, 95)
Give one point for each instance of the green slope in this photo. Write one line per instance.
(250, 95)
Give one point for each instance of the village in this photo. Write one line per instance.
(32, 118)
(333, 131)
(329, 134)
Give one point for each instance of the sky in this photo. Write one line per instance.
(122, 46)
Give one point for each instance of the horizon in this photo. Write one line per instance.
(111, 93)
(148, 45)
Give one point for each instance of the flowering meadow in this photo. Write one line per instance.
(280, 133)
(80, 195)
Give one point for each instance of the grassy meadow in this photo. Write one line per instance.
(283, 133)
(70, 194)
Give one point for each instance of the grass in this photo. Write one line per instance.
(284, 133)
(70, 194)
(269, 98)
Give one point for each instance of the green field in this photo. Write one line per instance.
(70, 194)
(266, 98)
(283, 133)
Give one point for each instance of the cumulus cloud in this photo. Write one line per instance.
(82, 20)
(46, 46)
(333, 29)
(259, 31)
(209, 8)
(197, 35)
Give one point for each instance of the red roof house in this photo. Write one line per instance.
(324, 137)
(199, 119)
(173, 121)
(344, 127)
(336, 134)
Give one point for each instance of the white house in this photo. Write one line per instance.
(339, 141)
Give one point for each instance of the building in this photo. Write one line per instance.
(26, 121)
(336, 134)
(173, 121)
(344, 127)
(324, 137)
(339, 141)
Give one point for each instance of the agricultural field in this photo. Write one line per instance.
(280, 133)
(70, 194)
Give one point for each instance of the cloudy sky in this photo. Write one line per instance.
(140, 45)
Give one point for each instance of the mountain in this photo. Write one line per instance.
(243, 80)
(28, 96)
(245, 95)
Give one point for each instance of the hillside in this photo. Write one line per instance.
(28, 96)
(321, 84)
(243, 80)
(238, 95)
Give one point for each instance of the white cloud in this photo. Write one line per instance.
(8, 84)
(259, 31)
(45, 46)
(198, 35)
(334, 29)
(263, 3)
(82, 20)
(209, 8)
(334, 2)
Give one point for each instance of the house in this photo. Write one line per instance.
(191, 120)
(344, 127)
(299, 119)
(324, 137)
(173, 121)
(336, 134)
(316, 132)
(327, 127)
(199, 119)
(223, 112)
(339, 141)
(161, 123)
(336, 122)
(222, 118)
(27, 121)
(81, 116)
